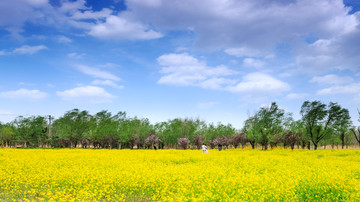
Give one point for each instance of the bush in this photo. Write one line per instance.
(183, 142)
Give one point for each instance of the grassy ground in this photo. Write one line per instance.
(180, 175)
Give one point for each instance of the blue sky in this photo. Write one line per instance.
(219, 61)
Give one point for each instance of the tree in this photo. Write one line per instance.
(73, 126)
(269, 123)
(293, 133)
(6, 135)
(183, 142)
(124, 131)
(320, 119)
(152, 140)
(356, 134)
(198, 140)
(251, 130)
(105, 129)
(178, 128)
(30, 131)
(239, 139)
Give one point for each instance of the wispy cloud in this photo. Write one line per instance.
(24, 50)
(353, 89)
(107, 83)
(259, 83)
(97, 73)
(186, 70)
(23, 93)
(117, 27)
(296, 96)
(64, 39)
(29, 49)
(332, 79)
(250, 62)
(91, 94)
(76, 55)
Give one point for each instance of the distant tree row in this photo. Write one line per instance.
(320, 125)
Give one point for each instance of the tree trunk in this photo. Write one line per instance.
(252, 145)
(342, 140)
(308, 146)
(292, 146)
(315, 146)
(266, 146)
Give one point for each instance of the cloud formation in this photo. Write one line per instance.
(120, 28)
(259, 83)
(23, 93)
(255, 28)
(24, 50)
(331, 79)
(107, 83)
(91, 94)
(352, 89)
(97, 73)
(185, 70)
(29, 49)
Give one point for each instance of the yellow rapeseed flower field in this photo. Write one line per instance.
(179, 175)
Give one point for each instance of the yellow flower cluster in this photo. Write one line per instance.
(179, 175)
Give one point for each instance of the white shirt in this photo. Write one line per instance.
(203, 147)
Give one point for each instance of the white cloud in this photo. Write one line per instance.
(28, 49)
(185, 70)
(245, 52)
(72, 7)
(120, 28)
(257, 28)
(64, 39)
(250, 62)
(97, 73)
(346, 89)
(216, 83)
(91, 94)
(248, 23)
(107, 83)
(296, 96)
(103, 14)
(23, 93)
(50, 85)
(259, 83)
(335, 53)
(14, 14)
(332, 79)
(76, 55)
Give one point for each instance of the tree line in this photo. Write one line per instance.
(320, 125)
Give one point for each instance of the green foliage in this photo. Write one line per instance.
(266, 124)
(320, 124)
(31, 131)
(6, 135)
(322, 121)
(73, 126)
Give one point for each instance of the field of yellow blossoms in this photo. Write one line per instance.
(179, 175)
